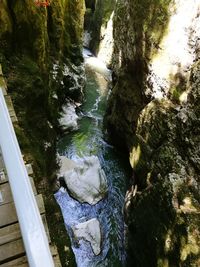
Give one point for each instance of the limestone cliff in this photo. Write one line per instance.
(99, 28)
(153, 113)
(40, 52)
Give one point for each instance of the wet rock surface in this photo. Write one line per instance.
(89, 231)
(69, 118)
(85, 179)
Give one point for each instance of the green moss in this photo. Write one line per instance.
(7, 29)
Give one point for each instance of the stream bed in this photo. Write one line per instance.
(88, 141)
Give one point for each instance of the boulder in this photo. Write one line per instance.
(69, 119)
(85, 179)
(89, 231)
(65, 165)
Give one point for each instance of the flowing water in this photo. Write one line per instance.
(87, 141)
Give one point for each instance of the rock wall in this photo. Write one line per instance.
(40, 51)
(39, 31)
(163, 216)
(153, 113)
(99, 25)
(137, 32)
(41, 56)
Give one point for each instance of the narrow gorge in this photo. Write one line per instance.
(107, 97)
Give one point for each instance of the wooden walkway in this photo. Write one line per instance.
(12, 252)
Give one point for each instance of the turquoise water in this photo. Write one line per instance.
(87, 141)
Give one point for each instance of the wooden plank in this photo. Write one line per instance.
(1, 165)
(11, 245)
(54, 253)
(5, 194)
(53, 250)
(3, 85)
(9, 233)
(2, 82)
(56, 260)
(17, 248)
(12, 113)
(29, 169)
(12, 232)
(14, 119)
(9, 103)
(44, 220)
(20, 262)
(8, 212)
(1, 161)
(11, 250)
(33, 185)
(3, 177)
(10, 107)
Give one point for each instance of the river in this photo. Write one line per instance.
(86, 141)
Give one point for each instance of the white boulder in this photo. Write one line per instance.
(89, 231)
(69, 118)
(65, 165)
(86, 180)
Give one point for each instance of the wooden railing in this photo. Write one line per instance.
(32, 228)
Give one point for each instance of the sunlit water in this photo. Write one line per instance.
(88, 140)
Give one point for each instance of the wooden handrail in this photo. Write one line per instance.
(32, 228)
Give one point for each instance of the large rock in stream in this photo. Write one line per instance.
(69, 118)
(85, 179)
(89, 231)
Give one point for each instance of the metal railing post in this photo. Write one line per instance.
(32, 228)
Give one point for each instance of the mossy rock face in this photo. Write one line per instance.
(138, 28)
(37, 39)
(163, 218)
(37, 45)
(30, 30)
(161, 133)
(98, 15)
(123, 110)
(6, 31)
(41, 32)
